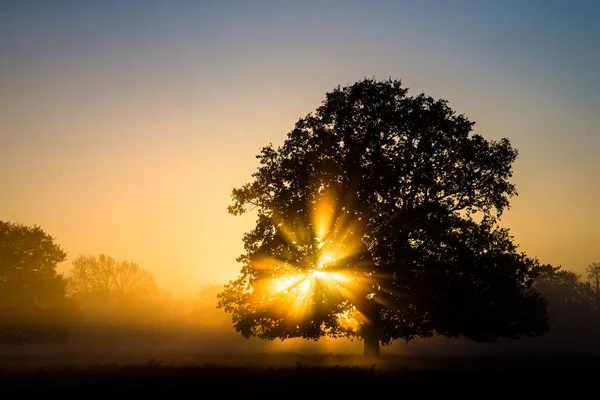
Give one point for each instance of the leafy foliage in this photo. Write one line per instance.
(415, 201)
(33, 302)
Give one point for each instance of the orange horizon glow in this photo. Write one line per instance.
(124, 127)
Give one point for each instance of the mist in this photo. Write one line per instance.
(132, 320)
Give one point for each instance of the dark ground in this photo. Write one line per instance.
(298, 376)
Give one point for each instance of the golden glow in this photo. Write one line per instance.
(292, 288)
(322, 217)
(134, 153)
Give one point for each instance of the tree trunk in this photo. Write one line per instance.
(370, 336)
(371, 329)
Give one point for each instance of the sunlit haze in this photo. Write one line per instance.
(124, 125)
(291, 285)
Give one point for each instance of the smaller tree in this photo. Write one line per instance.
(106, 276)
(593, 275)
(112, 289)
(33, 302)
(572, 317)
(561, 288)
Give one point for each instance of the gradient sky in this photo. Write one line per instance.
(124, 125)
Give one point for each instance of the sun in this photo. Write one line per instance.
(319, 267)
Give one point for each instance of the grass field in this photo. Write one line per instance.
(295, 375)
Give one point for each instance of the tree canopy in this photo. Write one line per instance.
(378, 218)
(33, 302)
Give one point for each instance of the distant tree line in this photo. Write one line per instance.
(40, 305)
(570, 296)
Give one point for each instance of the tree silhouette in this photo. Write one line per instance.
(566, 295)
(113, 290)
(33, 302)
(377, 219)
(593, 274)
(572, 316)
(104, 275)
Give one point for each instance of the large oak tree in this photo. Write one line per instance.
(378, 218)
